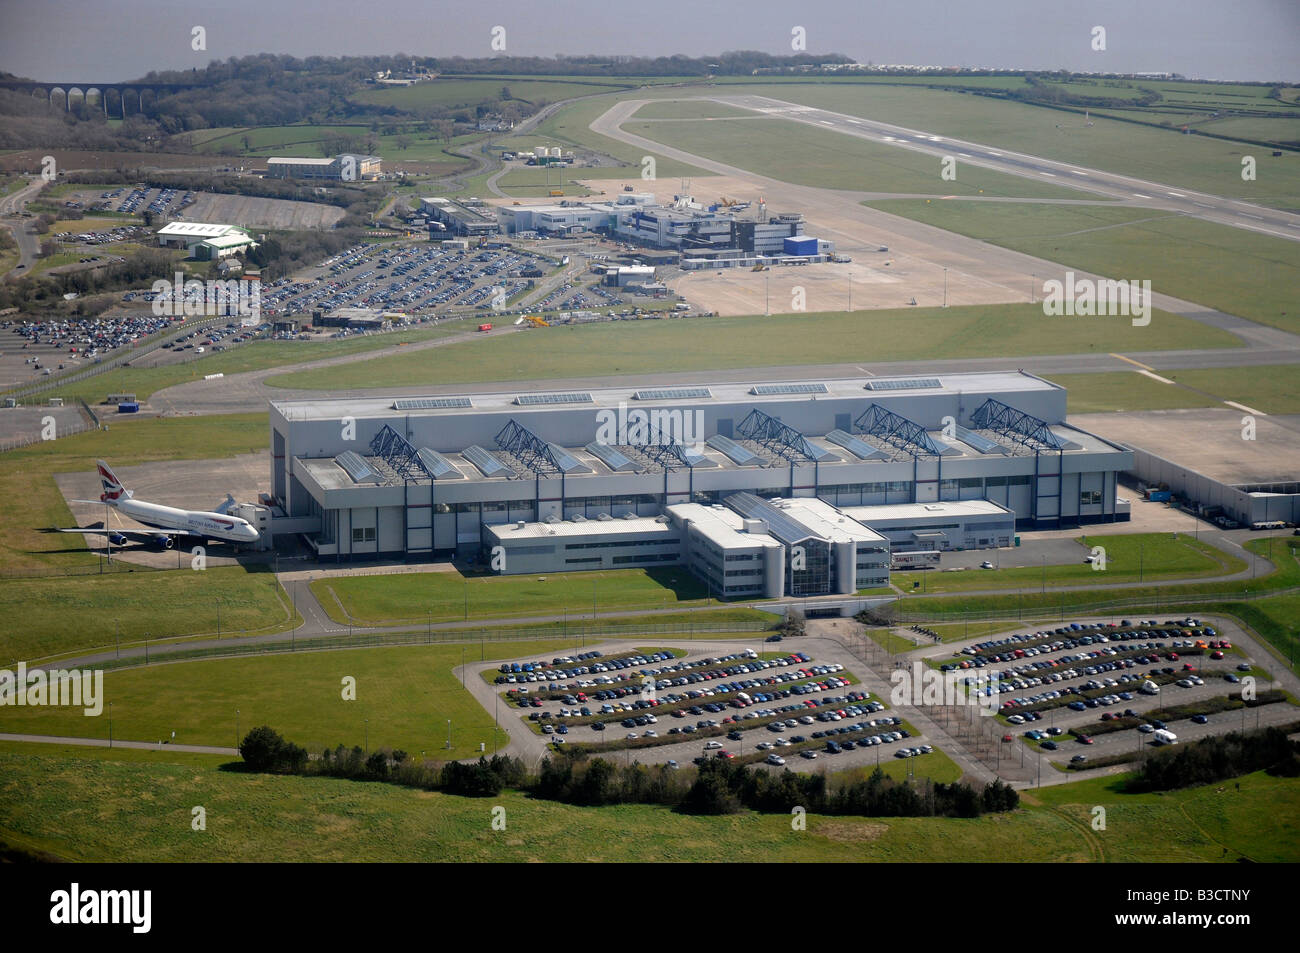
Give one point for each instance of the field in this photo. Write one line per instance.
(803, 155)
(644, 347)
(570, 127)
(1139, 557)
(141, 811)
(446, 597)
(1272, 389)
(1158, 155)
(74, 613)
(407, 693)
(253, 356)
(1231, 269)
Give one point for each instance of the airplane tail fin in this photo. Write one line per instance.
(113, 489)
(226, 504)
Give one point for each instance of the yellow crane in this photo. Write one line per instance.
(537, 322)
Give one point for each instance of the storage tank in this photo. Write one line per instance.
(846, 569)
(774, 572)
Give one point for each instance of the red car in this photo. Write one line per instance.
(1216, 655)
(1085, 740)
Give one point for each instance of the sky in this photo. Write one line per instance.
(116, 40)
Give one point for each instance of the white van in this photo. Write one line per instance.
(1162, 736)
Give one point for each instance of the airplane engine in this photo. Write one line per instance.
(164, 541)
(117, 539)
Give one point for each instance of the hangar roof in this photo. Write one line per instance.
(728, 392)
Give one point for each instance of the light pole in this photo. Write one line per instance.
(236, 727)
(945, 287)
(110, 724)
(367, 735)
(448, 734)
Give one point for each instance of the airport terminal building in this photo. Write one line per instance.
(773, 488)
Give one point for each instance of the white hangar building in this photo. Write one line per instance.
(694, 475)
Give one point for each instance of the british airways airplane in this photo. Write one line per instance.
(167, 522)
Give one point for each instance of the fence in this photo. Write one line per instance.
(237, 648)
(1168, 600)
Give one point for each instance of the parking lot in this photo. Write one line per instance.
(675, 707)
(406, 277)
(1085, 691)
(33, 349)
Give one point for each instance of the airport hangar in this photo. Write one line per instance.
(726, 479)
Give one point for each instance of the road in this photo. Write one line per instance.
(11, 207)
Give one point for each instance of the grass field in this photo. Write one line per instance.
(901, 334)
(1273, 389)
(1277, 621)
(94, 809)
(570, 126)
(75, 613)
(833, 160)
(1157, 155)
(1139, 557)
(445, 597)
(406, 692)
(30, 501)
(1240, 272)
(253, 356)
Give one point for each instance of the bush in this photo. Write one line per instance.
(263, 749)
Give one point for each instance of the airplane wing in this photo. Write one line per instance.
(144, 533)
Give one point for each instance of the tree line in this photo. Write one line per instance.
(718, 786)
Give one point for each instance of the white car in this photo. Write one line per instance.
(711, 745)
(775, 759)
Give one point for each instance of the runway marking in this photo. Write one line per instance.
(996, 155)
(1177, 195)
(864, 370)
(1050, 175)
(1249, 410)
(856, 122)
(1248, 215)
(1156, 377)
(826, 122)
(964, 155)
(1140, 195)
(1129, 360)
(1078, 172)
(1202, 205)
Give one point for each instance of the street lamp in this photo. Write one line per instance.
(448, 734)
(110, 724)
(236, 727)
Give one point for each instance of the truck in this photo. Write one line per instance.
(485, 327)
(1163, 736)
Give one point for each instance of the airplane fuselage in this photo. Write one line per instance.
(198, 523)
